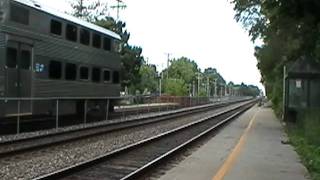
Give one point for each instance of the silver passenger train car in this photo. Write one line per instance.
(48, 54)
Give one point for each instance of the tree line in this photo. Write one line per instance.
(182, 78)
(289, 30)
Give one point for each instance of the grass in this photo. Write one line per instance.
(305, 137)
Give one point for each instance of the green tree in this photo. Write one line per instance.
(131, 60)
(288, 29)
(115, 26)
(247, 90)
(230, 84)
(88, 10)
(213, 75)
(183, 71)
(175, 87)
(149, 78)
(190, 75)
(183, 68)
(215, 78)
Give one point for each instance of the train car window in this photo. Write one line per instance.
(19, 14)
(25, 59)
(107, 44)
(96, 74)
(70, 71)
(116, 77)
(84, 37)
(55, 70)
(84, 73)
(56, 27)
(106, 76)
(12, 55)
(96, 40)
(71, 32)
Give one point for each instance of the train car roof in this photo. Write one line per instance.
(38, 6)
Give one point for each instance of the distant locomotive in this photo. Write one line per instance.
(48, 54)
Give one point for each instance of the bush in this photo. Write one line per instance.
(305, 136)
(175, 87)
(311, 125)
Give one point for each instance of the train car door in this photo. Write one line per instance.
(18, 76)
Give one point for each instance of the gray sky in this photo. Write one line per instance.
(202, 30)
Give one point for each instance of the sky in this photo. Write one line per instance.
(203, 30)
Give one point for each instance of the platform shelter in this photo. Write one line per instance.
(301, 86)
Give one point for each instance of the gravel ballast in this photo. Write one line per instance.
(26, 135)
(35, 163)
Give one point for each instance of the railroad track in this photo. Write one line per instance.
(131, 161)
(10, 148)
(31, 123)
(8, 126)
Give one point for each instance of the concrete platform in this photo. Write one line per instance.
(249, 148)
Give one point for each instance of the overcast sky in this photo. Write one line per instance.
(203, 30)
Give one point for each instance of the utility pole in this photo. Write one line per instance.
(232, 91)
(226, 90)
(216, 88)
(212, 95)
(168, 63)
(120, 5)
(208, 87)
(193, 89)
(160, 84)
(198, 84)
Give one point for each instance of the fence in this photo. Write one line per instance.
(16, 109)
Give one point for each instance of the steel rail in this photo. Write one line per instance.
(75, 169)
(67, 136)
(156, 161)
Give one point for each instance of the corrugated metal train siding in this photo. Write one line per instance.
(73, 54)
(2, 85)
(2, 62)
(54, 49)
(51, 88)
(2, 40)
(50, 47)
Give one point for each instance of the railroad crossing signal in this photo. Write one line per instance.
(120, 5)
